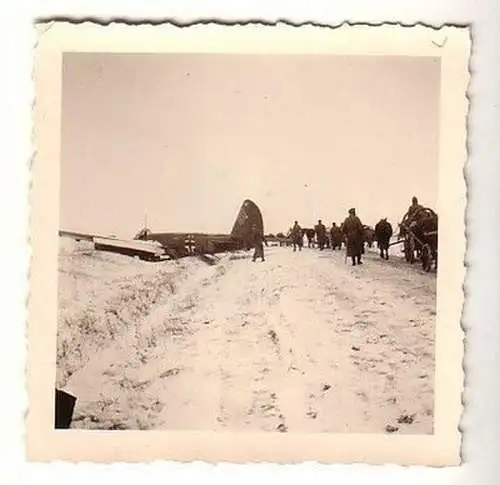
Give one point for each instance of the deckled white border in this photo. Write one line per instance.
(451, 45)
(482, 430)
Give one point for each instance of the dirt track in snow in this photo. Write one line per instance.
(303, 342)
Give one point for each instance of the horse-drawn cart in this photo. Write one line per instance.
(419, 235)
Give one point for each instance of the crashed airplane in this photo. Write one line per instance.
(152, 246)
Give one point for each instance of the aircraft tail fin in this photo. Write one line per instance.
(248, 223)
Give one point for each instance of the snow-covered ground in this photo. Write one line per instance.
(302, 342)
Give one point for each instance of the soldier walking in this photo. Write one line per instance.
(353, 231)
(336, 236)
(297, 237)
(258, 243)
(320, 231)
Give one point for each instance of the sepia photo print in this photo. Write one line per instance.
(258, 233)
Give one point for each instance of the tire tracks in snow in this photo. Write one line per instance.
(300, 343)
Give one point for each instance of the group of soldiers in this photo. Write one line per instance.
(320, 233)
(351, 231)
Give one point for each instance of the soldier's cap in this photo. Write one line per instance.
(352, 211)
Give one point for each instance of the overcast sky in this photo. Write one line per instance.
(186, 138)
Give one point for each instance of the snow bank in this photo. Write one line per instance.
(102, 296)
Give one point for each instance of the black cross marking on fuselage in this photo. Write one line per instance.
(190, 244)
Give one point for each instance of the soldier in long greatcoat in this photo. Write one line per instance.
(336, 236)
(297, 236)
(320, 231)
(353, 231)
(258, 244)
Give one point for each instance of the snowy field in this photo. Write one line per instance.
(301, 343)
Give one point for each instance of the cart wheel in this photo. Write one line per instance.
(426, 258)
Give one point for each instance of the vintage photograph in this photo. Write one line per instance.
(250, 241)
(164, 322)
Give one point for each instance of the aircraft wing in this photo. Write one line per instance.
(153, 246)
